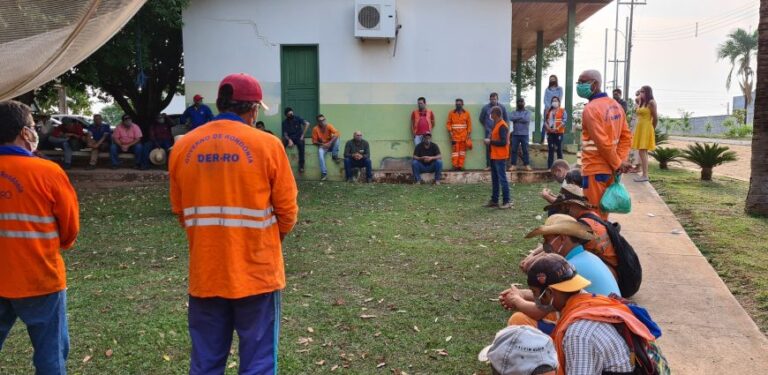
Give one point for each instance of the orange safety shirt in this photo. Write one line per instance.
(320, 136)
(233, 190)
(459, 125)
(559, 127)
(605, 137)
(499, 152)
(39, 216)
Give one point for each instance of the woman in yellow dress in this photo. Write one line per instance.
(644, 138)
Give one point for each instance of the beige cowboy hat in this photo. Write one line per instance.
(157, 156)
(570, 194)
(563, 224)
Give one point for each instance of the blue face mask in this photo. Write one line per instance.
(584, 90)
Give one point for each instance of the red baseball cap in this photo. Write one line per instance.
(197, 97)
(244, 88)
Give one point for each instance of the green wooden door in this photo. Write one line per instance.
(300, 81)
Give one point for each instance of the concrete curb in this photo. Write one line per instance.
(705, 329)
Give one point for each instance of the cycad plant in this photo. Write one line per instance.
(708, 156)
(662, 137)
(666, 155)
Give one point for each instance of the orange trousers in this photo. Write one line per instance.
(459, 153)
(594, 188)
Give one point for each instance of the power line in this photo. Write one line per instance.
(701, 30)
(727, 15)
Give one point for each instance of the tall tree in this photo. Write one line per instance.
(142, 67)
(757, 197)
(738, 50)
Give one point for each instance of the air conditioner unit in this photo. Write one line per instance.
(375, 19)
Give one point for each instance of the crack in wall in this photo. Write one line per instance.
(249, 22)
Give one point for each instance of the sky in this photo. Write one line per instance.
(681, 68)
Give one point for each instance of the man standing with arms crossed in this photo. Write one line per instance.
(233, 190)
(605, 139)
(39, 216)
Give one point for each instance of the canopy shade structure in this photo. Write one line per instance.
(42, 39)
(548, 16)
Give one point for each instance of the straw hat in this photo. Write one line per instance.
(157, 156)
(563, 224)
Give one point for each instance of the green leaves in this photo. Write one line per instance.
(708, 156)
(666, 155)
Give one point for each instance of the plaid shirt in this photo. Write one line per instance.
(593, 347)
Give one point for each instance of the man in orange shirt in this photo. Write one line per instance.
(233, 190)
(326, 138)
(605, 139)
(39, 216)
(459, 127)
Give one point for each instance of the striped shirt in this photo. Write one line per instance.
(594, 347)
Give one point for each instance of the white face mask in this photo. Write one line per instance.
(34, 142)
(555, 104)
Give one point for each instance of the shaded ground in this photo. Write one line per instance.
(381, 279)
(739, 169)
(734, 243)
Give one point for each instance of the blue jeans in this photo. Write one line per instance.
(419, 168)
(518, 141)
(499, 179)
(137, 150)
(350, 163)
(62, 142)
(46, 321)
(554, 143)
(321, 152)
(257, 322)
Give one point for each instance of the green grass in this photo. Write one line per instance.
(733, 242)
(413, 256)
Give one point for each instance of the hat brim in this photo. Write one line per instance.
(575, 284)
(483, 355)
(574, 229)
(577, 202)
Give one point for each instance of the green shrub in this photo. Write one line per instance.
(739, 131)
(708, 156)
(666, 155)
(661, 137)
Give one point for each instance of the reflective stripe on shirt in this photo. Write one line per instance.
(28, 234)
(235, 223)
(225, 210)
(27, 217)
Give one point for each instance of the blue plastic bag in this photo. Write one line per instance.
(616, 198)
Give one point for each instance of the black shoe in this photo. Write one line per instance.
(67, 166)
(368, 180)
(301, 170)
(323, 177)
(114, 166)
(492, 204)
(90, 167)
(336, 158)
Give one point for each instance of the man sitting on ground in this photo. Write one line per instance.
(586, 336)
(564, 236)
(99, 140)
(576, 206)
(427, 158)
(326, 138)
(520, 350)
(357, 154)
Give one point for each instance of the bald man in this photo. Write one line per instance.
(605, 138)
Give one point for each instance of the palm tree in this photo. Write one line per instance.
(665, 155)
(707, 156)
(757, 198)
(738, 49)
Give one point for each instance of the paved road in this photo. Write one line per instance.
(739, 142)
(739, 169)
(705, 329)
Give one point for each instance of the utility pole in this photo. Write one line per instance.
(628, 64)
(605, 63)
(616, 47)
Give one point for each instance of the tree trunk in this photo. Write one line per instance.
(757, 197)
(663, 164)
(706, 174)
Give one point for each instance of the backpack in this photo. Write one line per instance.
(629, 270)
(645, 355)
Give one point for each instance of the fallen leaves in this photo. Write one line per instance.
(320, 362)
(367, 316)
(380, 365)
(166, 357)
(108, 353)
(87, 358)
(310, 330)
(416, 328)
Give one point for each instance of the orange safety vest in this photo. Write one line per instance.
(415, 120)
(499, 152)
(459, 125)
(601, 246)
(39, 216)
(233, 190)
(605, 137)
(559, 127)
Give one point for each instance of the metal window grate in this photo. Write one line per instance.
(369, 17)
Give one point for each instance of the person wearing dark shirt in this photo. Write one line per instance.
(100, 136)
(357, 154)
(69, 136)
(260, 126)
(427, 159)
(160, 135)
(197, 114)
(617, 97)
(294, 128)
